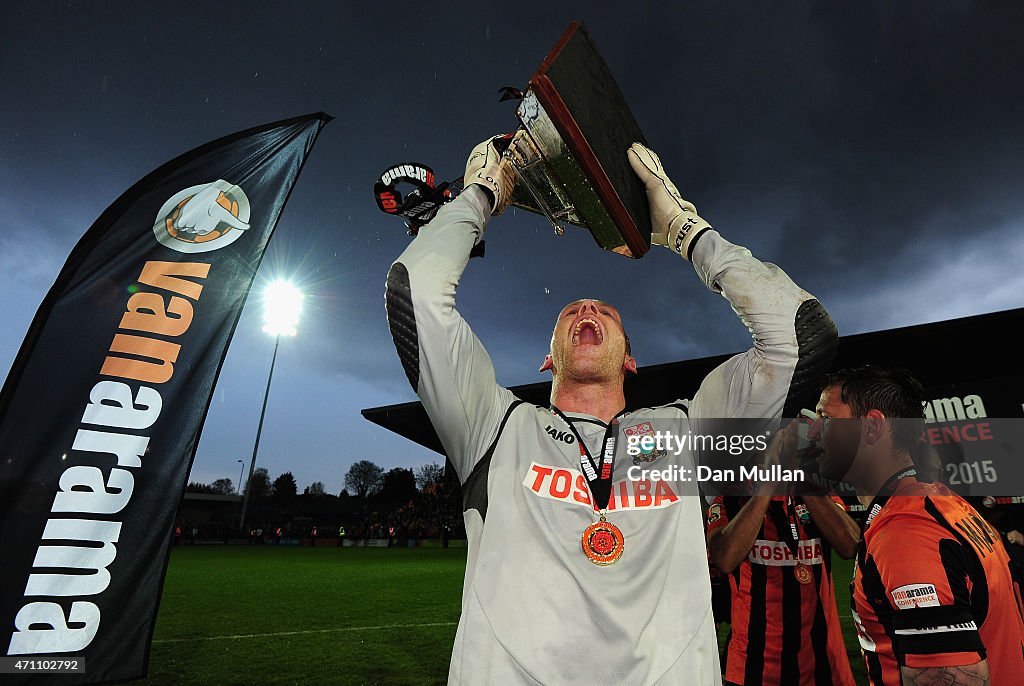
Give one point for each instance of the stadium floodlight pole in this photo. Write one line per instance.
(282, 304)
(241, 473)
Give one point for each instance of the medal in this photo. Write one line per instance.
(602, 542)
(779, 513)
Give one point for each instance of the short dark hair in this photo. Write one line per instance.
(893, 391)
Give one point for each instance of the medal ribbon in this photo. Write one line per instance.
(598, 475)
(877, 504)
(786, 526)
(884, 492)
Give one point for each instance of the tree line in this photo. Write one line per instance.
(364, 479)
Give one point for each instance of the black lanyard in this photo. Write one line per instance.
(598, 475)
(877, 503)
(884, 492)
(790, 534)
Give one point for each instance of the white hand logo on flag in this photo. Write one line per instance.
(204, 212)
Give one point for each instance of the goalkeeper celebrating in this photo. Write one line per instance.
(575, 573)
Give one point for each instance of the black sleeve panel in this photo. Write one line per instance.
(474, 491)
(402, 321)
(817, 340)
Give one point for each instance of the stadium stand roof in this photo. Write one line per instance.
(942, 355)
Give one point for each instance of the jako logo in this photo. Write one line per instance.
(563, 436)
(203, 218)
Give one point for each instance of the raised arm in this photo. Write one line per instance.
(444, 361)
(794, 337)
(730, 538)
(830, 516)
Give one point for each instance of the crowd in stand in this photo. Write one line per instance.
(431, 514)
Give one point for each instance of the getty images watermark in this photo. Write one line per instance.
(651, 445)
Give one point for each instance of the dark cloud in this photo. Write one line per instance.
(873, 150)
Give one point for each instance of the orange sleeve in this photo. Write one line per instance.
(922, 569)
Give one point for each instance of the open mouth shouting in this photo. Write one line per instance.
(587, 332)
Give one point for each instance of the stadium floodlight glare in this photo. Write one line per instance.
(282, 305)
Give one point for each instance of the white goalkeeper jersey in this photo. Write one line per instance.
(535, 609)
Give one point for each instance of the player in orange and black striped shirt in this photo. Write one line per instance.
(933, 588)
(933, 597)
(777, 552)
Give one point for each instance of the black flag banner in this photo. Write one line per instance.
(101, 412)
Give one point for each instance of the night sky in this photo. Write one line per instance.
(874, 150)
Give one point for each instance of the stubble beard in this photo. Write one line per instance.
(592, 369)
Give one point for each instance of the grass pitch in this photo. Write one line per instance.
(290, 615)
